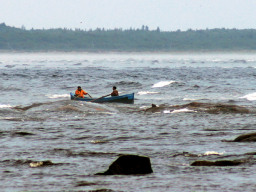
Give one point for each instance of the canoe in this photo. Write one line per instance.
(128, 98)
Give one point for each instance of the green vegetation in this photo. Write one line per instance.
(20, 39)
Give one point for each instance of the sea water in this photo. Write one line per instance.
(39, 122)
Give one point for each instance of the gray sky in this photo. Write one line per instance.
(169, 15)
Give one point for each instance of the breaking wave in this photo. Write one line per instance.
(250, 97)
(182, 111)
(163, 84)
(5, 106)
(212, 153)
(56, 96)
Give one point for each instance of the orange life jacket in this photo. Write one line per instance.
(80, 93)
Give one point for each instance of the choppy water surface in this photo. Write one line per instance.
(39, 122)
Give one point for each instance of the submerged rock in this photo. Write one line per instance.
(213, 108)
(40, 163)
(155, 109)
(250, 137)
(102, 190)
(21, 133)
(28, 107)
(84, 183)
(129, 165)
(68, 108)
(217, 163)
(216, 108)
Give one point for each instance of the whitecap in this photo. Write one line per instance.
(182, 111)
(5, 106)
(55, 96)
(146, 92)
(179, 111)
(163, 83)
(213, 153)
(189, 99)
(250, 97)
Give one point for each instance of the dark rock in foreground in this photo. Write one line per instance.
(129, 165)
(250, 137)
(216, 163)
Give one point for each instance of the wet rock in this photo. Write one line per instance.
(217, 108)
(251, 153)
(102, 190)
(129, 165)
(21, 133)
(250, 137)
(84, 183)
(217, 163)
(155, 109)
(212, 108)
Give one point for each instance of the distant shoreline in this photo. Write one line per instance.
(127, 41)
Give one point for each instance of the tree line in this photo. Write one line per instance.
(20, 39)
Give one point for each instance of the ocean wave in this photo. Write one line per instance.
(146, 92)
(72, 153)
(31, 163)
(162, 84)
(250, 97)
(9, 66)
(107, 113)
(56, 96)
(239, 61)
(128, 83)
(195, 99)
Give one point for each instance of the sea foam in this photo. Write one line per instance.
(213, 153)
(5, 106)
(179, 111)
(146, 92)
(56, 96)
(162, 84)
(250, 97)
(189, 99)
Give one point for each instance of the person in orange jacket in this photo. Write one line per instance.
(80, 92)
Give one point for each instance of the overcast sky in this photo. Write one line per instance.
(169, 15)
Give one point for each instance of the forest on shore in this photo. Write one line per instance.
(143, 39)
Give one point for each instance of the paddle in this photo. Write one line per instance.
(99, 98)
(89, 95)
